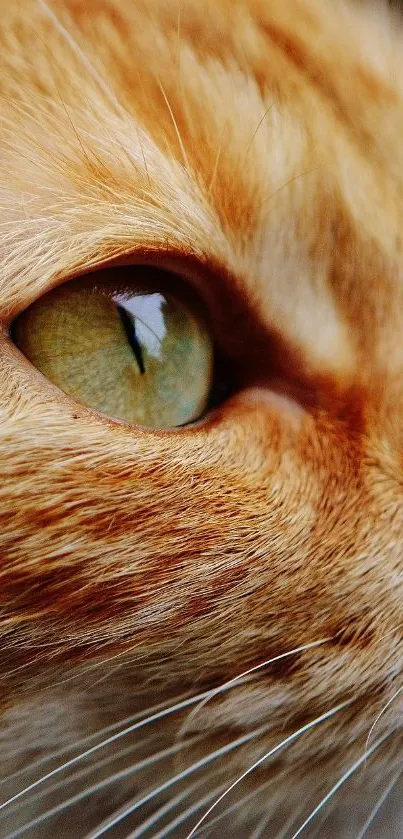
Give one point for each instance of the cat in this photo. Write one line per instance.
(202, 543)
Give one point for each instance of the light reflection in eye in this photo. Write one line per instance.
(146, 310)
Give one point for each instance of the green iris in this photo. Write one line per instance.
(130, 348)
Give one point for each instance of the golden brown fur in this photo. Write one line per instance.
(255, 147)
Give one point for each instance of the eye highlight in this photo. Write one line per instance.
(132, 343)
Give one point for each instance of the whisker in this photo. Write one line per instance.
(95, 788)
(240, 803)
(261, 826)
(166, 808)
(381, 713)
(82, 773)
(356, 765)
(238, 680)
(173, 709)
(321, 820)
(274, 750)
(186, 814)
(381, 800)
(199, 764)
(289, 823)
(77, 745)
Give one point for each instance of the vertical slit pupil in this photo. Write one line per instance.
(129, 325)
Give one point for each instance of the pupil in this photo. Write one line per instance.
(129, 325)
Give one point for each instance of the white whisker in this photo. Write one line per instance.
(166, 808)
(237, 680)
(82, 773)
(381, 713)
(381, 800)
(274, 750)
(78, 745)
(173, 709)
(322, 818)
(240, 803)
(95, 788)
(187, 813)
(199, 764)
(293, 818)
(356, 765)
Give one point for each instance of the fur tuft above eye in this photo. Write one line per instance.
(130, 342)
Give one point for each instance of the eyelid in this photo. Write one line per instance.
(218, 289)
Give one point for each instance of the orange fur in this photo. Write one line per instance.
(254, 146)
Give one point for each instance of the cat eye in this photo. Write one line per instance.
(130, 342)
